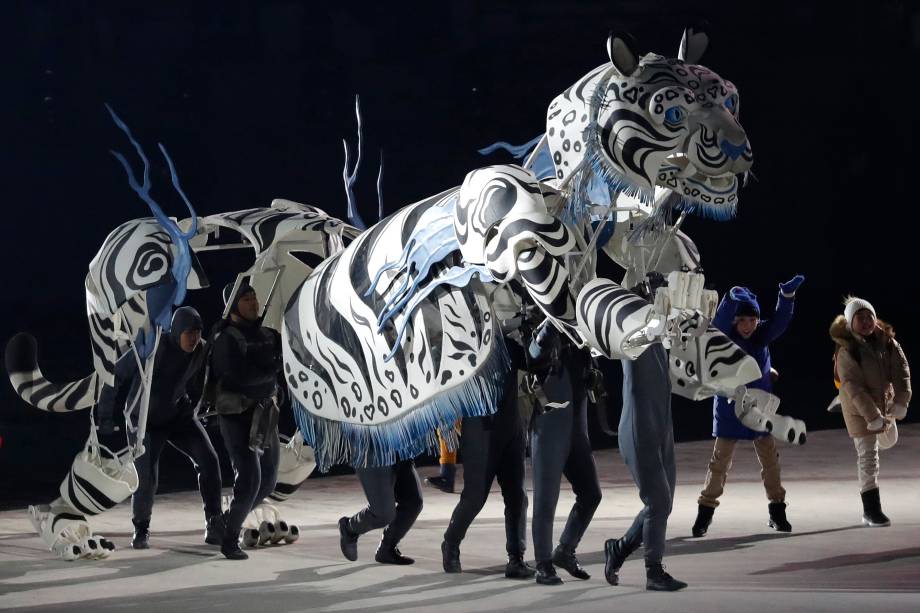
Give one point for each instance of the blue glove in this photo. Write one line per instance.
(792, 284)
(742, 294)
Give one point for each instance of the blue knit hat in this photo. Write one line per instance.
(747, 302)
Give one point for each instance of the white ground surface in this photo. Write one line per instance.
(828, 563)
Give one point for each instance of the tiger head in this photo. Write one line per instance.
(642, 123)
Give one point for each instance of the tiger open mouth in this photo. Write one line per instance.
(679, 169)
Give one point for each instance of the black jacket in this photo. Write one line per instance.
(560, 364)
(246, 359)
(177, 378)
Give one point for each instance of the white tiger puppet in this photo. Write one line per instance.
(140, 273)
(396, 337)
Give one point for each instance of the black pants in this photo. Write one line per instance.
(254, 472)
(646, 441)
(492, 447)
(560, 446)
(394, 501)
(188, 436)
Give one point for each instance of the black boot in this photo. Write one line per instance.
(546, 574)
(778, 519)
(615, 553)
(141, 538)
(450, 557)
(657, 580)
(230, 547)
(444, 481)
(348, 540)
(387, 553)
(517, 568)
(214, 532)
(703, 519)
(563, 557)
(872, 510)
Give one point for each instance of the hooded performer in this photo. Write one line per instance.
(494, 447)
(245, 362)
(560, 446)
(176, 385)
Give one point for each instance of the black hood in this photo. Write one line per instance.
(241, 291)
(185, 318)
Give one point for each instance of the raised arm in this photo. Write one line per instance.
(773, 328)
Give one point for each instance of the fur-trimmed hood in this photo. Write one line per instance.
(843, 336)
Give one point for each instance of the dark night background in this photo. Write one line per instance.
(252, 100)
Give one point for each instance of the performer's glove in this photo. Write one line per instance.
(789, 287)
(877, 425)
(898, 411)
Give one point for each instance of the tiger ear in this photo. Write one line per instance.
(692, 46)
(620, 50)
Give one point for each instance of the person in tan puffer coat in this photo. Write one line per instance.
(874, 380)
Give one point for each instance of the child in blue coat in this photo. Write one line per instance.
(738, 317)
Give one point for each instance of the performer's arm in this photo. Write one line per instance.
(853, 384)
(900, 380)
(772, 329)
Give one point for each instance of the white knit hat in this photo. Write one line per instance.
(854, 305)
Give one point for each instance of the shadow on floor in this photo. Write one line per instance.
(878, 557)
(685, 545)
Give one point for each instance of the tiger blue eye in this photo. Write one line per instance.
(674, 114)
(730, 104)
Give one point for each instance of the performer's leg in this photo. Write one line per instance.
(478, 474)
(148, 472)
(720, 463)
(867, 463)
(647, 444)
(550, 444)
(510, 473)
(765, 446)
(408, 494)
(632, 538)
(268, 462)
(190, 438)
(768, 456)
(407, 491)
(581, 472)
(247, 474)
(642, 428)
(378, 483)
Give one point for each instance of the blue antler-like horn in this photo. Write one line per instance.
(182, 264)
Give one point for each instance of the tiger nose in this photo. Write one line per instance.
(732, 150)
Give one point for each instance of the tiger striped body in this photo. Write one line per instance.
(383, 317)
